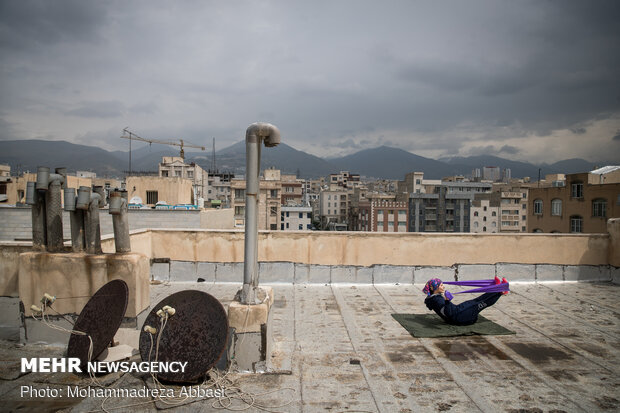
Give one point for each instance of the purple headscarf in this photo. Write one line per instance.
(431, 285)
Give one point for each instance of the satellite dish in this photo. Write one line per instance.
(100, 319)
(197, 333)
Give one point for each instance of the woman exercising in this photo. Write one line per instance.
(462, 314)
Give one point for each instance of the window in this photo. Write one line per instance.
(239, 193)
(537, 231)
(2, 189)
(476, 213)
(239, 210)
(484, 208)
(164, 174)
(599, 208)
(287, 225)
(556, 207)
(273, 211)
(273, 193)
(484, 229)
(576, 190)
(301, 226)
(273, 227)
(576, 223)
(151, 197)
(301, 215)
(493, 214)
(484, 219)
(190, 174)
(177, 173)
(538, 207)
(475, 224)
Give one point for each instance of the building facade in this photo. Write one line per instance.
(484, 216)
(296, 218)
(446, 210)
(269, 206)
(583, 205)
(175, 167)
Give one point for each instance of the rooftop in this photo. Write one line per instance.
(337, 348)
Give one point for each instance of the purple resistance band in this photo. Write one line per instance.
(485, 286)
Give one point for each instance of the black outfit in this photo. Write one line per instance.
(463, 314)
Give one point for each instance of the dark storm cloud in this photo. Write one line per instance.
(447, 77)
(616, 136)
(27, 24)
(491, 150)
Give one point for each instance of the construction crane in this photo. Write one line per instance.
(127, 134)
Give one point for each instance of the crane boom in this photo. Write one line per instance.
(127, 134)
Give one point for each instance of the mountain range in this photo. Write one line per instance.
(382, 162)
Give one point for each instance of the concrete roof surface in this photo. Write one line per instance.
(338, 349)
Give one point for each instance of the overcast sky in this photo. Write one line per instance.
(535, 81)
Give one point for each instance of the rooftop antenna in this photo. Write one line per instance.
(213, 157)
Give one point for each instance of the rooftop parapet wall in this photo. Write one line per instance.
(367, 249)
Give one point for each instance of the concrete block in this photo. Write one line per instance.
(343, 274)
(37, 332)
(276, 272)
(466, 272)
(549, 272)
(302, 273)
(10, 318)
(229, 272)
(364, 275)
(390, 274)
(585, 273)
(160, 271)
(422, 274)
(615, 274)
(516, 272)
(183, 271)
(319, 274)
(206, 271)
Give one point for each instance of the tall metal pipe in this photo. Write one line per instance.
(76, 216)
(36, 200)
(118, 210)
(52, 184)
(254, 135)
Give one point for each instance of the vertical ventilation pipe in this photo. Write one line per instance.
(76, 216)
(118, 210)
(49, 187)
(89, 201)
(36, 200)
(254, 135)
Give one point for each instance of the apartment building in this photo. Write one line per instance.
(582, 205)
(484, 215)
(446, 210)
(384, 216)
(344, 179)
(296, 218)
(175, 167)
(153, 189)
(292, 190)
(333, 207)
(269, 197)
(218, 188)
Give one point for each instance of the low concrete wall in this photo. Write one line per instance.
(9, 266)
(297, 273)
(366, 249)
(17, 222)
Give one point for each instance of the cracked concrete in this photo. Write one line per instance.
(337, 348)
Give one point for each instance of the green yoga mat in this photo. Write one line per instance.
(431, 325)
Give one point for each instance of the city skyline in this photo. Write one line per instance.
(533, 82)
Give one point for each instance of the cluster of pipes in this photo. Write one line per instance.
(44, 196)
